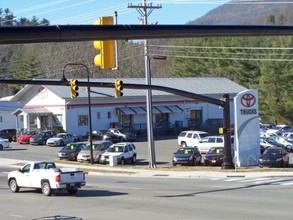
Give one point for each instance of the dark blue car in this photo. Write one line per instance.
(187, 155)
(274, 157)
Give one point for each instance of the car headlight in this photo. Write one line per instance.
(260, 160)
(191, 158)
(174, 158)
(279, 159)
(102, 157)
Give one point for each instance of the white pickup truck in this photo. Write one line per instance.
(47, 177)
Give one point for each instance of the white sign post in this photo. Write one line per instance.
(247, 131)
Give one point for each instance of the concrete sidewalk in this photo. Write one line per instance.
(131, 171)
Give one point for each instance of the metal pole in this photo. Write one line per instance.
(89, 102)
(152, 162)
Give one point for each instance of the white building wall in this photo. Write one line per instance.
(7, 120)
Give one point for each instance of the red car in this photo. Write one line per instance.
(214, 157)
(24, 138)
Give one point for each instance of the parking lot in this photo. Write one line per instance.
(164, 150)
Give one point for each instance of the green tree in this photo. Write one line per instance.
(24, 65)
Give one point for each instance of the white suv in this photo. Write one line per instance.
(124, 151)
(210, 141)
(190, 138)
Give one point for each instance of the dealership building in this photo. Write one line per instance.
(47, 107)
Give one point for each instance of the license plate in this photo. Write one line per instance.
(214, 161)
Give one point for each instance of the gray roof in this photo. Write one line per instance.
(198, 85)
(209, 86)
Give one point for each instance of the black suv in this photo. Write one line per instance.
(9, 134)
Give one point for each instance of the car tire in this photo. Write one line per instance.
(72, 191)
(13, 185)
(183, 144)
(46, 188)
(260, 166)
(288, 148)
(174, 164)
(61, 143)
(1, 147)
(44, 143)
(133, 160)
(122, 161)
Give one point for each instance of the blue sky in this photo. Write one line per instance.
(88, 11)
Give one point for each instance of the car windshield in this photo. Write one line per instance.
(272, 152)
(60, 135)
(70, 147)
(39, 135)
(215, 150)
(95, 147)
(28, 132)
(185, 151)
(203, 135)
(115, 149)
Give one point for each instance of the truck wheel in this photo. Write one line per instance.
(13, 185)
(72, 191)
(46, 189)
(183, 144)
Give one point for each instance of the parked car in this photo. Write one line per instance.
(190, 138)
(210, 141)
(214, 157)
(97, 135)
(274, 156)
(24, 138)
(99, 147)
(269, 141)
(187, 155)
(279, 129)
(70, 151)
(119, 135)
(61, 139)
(124, 151)
(4, 143)
(40, 138)
(9, 134)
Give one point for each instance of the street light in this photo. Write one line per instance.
(89, 102)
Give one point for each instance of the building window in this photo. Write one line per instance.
(21, 118)
(109, 114)
(82, 120)
(98, 115)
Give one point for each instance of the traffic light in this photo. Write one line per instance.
(106, 58)
(118, 88)
(74, 88)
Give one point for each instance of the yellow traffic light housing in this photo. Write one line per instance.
(74, 88)
(118, 88)
(106, 58)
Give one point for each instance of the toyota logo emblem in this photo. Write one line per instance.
(248, 100)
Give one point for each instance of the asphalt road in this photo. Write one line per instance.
(107, 197)
(159, 197)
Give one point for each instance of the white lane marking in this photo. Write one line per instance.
(255, 179)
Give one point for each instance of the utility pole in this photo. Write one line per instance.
(145, 10)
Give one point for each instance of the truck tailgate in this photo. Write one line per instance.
(71, 176)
